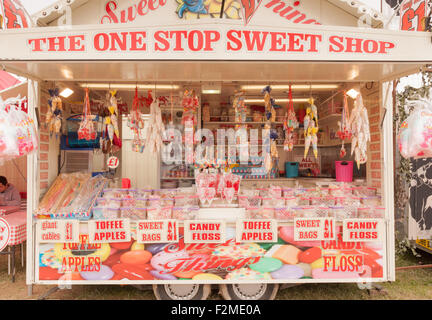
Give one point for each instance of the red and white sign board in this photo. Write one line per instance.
(311, 229)
(113, 162)
(310, 163)
(412, 15)
(204, 231)
(54, 231)
(363, 230)
(256, 230)
(103, 231)
(13, 15)
(206, 42)
(157, 231)
(5, 233)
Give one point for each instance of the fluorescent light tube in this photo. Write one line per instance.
(66, 93)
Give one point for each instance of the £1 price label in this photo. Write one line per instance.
(113, 162)
(157, 231)
(314, 229)
(172, 231)
(329, 229)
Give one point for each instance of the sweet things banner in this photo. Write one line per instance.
(285, 259)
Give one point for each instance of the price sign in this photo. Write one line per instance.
(157, 231)
(103, 231)
(361, 230)
(50, 231)
(4, 233)
(413, 13)
(307, 229)
(204, 231)
(113, 162)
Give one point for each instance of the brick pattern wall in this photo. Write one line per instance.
(44, 140)
(371, 101)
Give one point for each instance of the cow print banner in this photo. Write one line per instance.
(420, 200)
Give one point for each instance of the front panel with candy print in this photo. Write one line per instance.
(286, 260)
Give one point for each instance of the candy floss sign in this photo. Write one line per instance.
(211, 231)
(356, 230)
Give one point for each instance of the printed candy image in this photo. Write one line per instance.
(283, 260)
(198, 9)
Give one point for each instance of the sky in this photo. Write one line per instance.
(34, 6)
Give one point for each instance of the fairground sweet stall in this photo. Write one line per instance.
(211, 145)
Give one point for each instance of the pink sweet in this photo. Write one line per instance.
(136, 257)
(164, 261)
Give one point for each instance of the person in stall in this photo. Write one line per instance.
(9, 195)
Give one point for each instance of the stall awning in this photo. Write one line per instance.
(7, 81)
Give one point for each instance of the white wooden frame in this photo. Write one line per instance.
(420, 56)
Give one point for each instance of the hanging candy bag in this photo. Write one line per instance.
(415, 134)
(86, 130)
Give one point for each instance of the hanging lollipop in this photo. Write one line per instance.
(155, 129)
(239, 106)
(171, 127)
(270, 112)
(311, 129)
(359, 126)
(104, 113)
(290, 123)
(53, 118)
(136, 124)
(113, 109)
(344, 132)
(190, 105)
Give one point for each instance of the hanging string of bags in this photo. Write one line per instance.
(86, 129)
(136, 123)
(18, 133)
(290, 123)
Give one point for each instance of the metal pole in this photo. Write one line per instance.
(32, 185)
(387, 177)
(13, 263)
(222, 9)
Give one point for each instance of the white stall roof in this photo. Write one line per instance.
(214, 50)
(165, 71)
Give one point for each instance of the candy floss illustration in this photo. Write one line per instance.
(15, 15)
(249, 8)
(198, 9)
